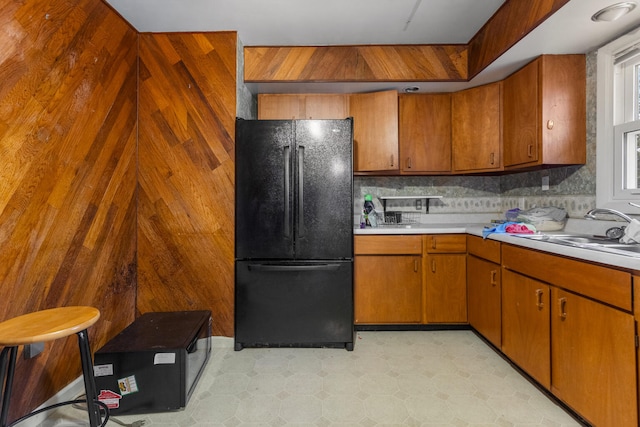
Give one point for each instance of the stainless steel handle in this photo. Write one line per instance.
(300, 214)
(539, 303)
(287, 190)
(562, 302)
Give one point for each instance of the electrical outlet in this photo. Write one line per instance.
(32, 350)
(545, 182)
(418, 204)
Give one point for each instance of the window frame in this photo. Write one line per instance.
(608, 160)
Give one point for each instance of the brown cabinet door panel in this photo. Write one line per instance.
(388, 289)
(593, 359)
(484, 287)
(446, 288)
(526, 335)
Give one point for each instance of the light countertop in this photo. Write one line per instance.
(622, 261)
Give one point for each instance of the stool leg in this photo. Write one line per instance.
(89, 381)
(6, 379)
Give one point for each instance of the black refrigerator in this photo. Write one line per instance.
(294, 233)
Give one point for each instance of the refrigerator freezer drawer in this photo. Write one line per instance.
(294, 304)
(154, 364)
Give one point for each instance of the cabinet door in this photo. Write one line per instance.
(483, 287)
(521, 116)
(375, 131)
(476, 128)
(388, 289)
(280, 106)
(593, 359)
(425, 133)
(526, 338)
(326, 106)
(446, 288)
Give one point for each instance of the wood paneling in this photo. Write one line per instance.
(186, 174)
(68, 176)
(514, 20)
(355, 63)
(368, 63)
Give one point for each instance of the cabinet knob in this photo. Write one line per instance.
(408, 162)
(530, 150)
(550, 124)
(494, 274)
(433, 265)
(391, 161)
(492, 159)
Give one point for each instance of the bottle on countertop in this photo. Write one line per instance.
(370, 215)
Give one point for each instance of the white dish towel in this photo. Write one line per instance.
(632, 232)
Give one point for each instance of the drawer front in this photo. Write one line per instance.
(595, 281)
(388, 245)
(445, 243)
(484, 248)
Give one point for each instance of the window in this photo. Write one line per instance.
(618, 124)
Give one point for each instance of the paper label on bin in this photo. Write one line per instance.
(128, 385)
(103, 370)
(109, 398)
(164, 359)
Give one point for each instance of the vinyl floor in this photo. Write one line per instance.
(416, 378)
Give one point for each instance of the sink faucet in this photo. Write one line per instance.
(593, 212)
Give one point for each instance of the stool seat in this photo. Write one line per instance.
(47, 325)
(42, 326)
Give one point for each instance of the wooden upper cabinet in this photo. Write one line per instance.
(302, 106)
(544, 113)
(425, 133)
(476, 129)
(375, 131)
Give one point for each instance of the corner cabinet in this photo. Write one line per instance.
(425, 133)
(476, 129)
(544, 113)
(375, 131)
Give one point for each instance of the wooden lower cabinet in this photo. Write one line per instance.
(484, 306)
(593, 356)
(446, 290)
(526, 337)
(388, 279)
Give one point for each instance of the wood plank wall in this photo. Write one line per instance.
(355, 63)
(68, 176)
(514, 20)
(186, 174)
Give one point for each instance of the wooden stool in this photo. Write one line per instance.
(42, 326)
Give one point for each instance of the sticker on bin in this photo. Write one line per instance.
(128, 385)
(164, 359)
(110, 398)
(103, 370)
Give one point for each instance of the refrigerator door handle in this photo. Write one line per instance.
(300, 213)
(291, 268)
(287, 180)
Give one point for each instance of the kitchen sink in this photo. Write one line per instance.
(596, 243)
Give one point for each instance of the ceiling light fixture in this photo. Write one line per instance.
(613, 12)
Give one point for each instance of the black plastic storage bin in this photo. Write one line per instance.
(154, 364)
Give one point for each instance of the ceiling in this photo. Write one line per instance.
(349, 22)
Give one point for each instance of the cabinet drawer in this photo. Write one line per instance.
(449, 243)
(388, 245)
(601, 283)
(483, 248)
